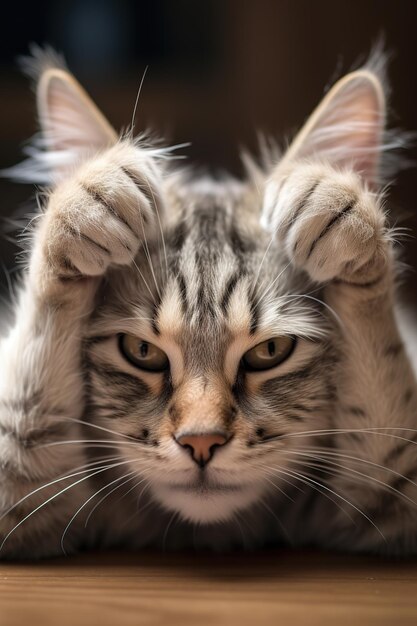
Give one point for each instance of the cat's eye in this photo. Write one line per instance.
(269, 353)
(143, 354)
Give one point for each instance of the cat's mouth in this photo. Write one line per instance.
(205, 499)
(205, 486)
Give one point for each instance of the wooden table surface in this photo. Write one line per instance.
(243, 589)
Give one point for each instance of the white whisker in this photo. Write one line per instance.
(89, 500)
(56, 495)
(112, 491)
(132, 124)
(338, 495)
(108, 430)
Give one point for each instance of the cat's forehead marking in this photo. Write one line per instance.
(208, 251)
(169, 315)
(212, 261)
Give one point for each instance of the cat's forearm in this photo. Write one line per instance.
(377, 378)
(41, 399)
(334, 228)
(86, 227)
(374, 463)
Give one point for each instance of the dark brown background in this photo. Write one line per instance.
(218, 71)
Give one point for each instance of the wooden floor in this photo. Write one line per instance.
(243, 589)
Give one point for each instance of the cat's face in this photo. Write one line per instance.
(209, 360)
(209, 356)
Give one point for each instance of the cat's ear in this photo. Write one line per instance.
(68, 117)
(347, 128)
(71, 126)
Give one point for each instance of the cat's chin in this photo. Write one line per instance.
(205, 505)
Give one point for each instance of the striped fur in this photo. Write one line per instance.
(319, 450)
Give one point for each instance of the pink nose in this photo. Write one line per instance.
(202, 447)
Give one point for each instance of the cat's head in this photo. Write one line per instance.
(212, 357)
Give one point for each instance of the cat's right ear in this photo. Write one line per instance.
(71, 126)
(69, 119)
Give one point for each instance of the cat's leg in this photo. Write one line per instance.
(334, 228)
(96, 218)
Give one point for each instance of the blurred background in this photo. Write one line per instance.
(218, 71)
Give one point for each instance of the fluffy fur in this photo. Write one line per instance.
(321, 449)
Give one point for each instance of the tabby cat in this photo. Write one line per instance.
(204, 363)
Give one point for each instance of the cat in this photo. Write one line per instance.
(208, 363)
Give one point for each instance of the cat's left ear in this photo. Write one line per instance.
(347, 128)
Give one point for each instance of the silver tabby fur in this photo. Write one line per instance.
(322, 448)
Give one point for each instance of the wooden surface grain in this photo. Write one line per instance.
(208, 589)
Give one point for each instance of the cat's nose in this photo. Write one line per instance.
(202, 447)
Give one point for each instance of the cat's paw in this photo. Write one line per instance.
(101, 215)
(329, 223)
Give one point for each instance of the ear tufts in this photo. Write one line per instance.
(40, 60)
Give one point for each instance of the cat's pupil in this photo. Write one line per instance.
(143, 350)
(271, 348)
